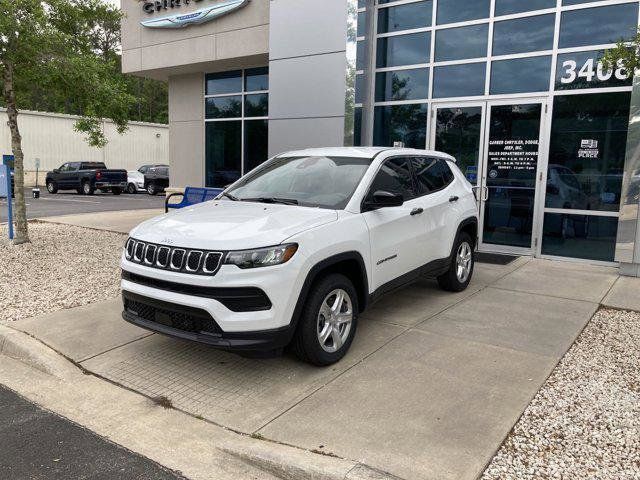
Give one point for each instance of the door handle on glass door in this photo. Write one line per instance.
(417, 211)
(454, 199)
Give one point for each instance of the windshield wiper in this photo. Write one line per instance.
(230, 197)
(284, 201)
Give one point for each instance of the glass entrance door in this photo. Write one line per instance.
(459, 131)
(510, 176)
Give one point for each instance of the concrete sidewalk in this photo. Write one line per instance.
(433, 383)
(117, 221)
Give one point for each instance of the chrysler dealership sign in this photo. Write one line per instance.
(178, 20)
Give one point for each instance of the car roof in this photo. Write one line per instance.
(362, 152)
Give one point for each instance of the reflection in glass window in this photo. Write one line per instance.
(362, 24)
(360, 88)
(256, 135)
(462, 42)
(458, 134)
(580, 236)
(508, 7)
(402, 85)
(357, 127)
(400, 123)
(528, 34)
(256, 105)
(404, 50)
(520, 75)
(224, 107)
(584, 70)
(405, 17)
(432, 174)
(459, 80)
(256, 79)
(224, 82)
(361, 55)
(451, 11)
(597, 26)
(223, 147)
(394, 176)
(587, 151)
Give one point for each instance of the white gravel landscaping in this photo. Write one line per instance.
(584, 423)
(63, 267)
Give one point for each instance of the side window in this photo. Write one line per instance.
(143, 170)
(394, 176)
(72, 167)
(64, 167)
(432, 174)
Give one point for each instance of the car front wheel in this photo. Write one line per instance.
(328, 322)
(52, 187)
(131, 188)
(460, 270)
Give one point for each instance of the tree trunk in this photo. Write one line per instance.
(22, 234)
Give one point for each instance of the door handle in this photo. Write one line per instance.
(417, 211)
(454, 199)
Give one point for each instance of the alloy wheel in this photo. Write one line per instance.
(334, 320)
(464, 262)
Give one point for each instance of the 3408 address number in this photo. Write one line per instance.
(590, 70)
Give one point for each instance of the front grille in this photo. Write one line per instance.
(236, 299)
(181, 318)
(197, 262)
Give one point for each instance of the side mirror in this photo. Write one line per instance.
(383, 199)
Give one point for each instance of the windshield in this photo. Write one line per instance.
(325, 182)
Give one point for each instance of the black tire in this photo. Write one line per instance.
(151, 188)
(131, 188)
(116, 191)
(450, 281)
(52, 187)
(306, 343)
(87, 188)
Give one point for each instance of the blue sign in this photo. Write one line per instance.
(5, 191)
(472, 174)
(8, 160)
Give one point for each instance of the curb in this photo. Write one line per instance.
(32, 352)
(289, 464)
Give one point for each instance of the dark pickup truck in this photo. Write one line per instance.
(156, 180)
(86, 178)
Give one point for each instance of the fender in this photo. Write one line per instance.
(465, 223)
(363, 297)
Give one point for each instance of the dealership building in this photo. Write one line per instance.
(514, 89)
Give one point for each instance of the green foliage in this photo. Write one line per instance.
(626, 53)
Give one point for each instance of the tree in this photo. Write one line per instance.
(60, 45)
(625, 54)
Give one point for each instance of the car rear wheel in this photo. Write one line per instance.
(328, 322)
(131, 188)
(52, 188)
(461, 267)
(87, 188)
(151, 189)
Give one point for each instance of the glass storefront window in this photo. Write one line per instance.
(587, 151)
(458, 133)
(580, 236)
(402, 85)
(508, 7)
(224, 107)
(400, 123)
(256, 105)
(452, 11)
(361, 29)
(598, 26)
(360, 88)
(256, 79)
(522, 35)
(223, 146)
(361, 55)
(578, 70)
(256, 133)
(464, 80)
(224, 82)
(357, 127)
(405, 17)
(403, 50)
(462, 43)
(520, 75)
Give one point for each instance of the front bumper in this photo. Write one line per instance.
(197, 325)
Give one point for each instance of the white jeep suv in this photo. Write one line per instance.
(295, 250)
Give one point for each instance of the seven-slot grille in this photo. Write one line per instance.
(198, 262)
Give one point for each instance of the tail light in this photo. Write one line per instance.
(98, 175)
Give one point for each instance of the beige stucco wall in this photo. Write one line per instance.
(215, 45)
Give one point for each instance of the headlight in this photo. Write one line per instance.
(262, 257)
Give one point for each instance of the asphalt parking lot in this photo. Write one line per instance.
(69, 203)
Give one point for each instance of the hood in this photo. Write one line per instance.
(227, 225)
